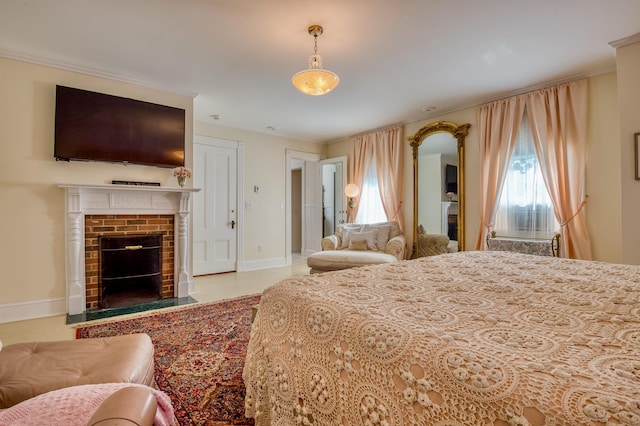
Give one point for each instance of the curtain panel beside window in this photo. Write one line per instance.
(558, 119)
(382, 150)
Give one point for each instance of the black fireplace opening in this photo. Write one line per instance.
(130, 270)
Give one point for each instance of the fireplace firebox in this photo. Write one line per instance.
(130, 270)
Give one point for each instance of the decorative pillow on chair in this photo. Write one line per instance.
(383, 234)
(344, 231)
(370, 237)
(358, 245)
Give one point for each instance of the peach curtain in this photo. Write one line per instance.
(558, 117)
(498, 125)
(389, 155)
(387, 148)
(360, 156)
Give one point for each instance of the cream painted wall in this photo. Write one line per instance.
(628, 66)
(33, 214)
(264, 165)
(338, 149)
(602, 183)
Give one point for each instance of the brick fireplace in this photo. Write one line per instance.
(97, 226)
(97, 210)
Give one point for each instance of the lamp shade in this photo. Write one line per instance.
(351, 190)
(315, 82)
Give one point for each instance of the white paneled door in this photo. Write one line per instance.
(215, 207)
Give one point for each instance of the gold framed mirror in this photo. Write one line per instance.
(439, 200)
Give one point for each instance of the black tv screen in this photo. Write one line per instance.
(99, 127)
(451, 179)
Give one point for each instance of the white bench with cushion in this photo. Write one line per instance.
(356, 245)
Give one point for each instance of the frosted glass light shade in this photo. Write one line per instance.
(315, 82)
(351, 190)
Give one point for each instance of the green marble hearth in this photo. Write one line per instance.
(95, 314)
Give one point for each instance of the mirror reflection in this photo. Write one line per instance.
(438, 157)
(438, 186)
(333, 206)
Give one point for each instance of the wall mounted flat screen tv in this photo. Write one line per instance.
(94, 126)
(451, 179)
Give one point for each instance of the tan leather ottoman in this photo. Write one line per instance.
(30, 369)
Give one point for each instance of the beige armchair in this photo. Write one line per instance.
(356, 245)
(432, 244)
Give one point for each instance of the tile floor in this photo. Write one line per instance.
(208, 288)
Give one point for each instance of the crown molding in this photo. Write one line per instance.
(90, 71)
(635, 38)
(520, 91)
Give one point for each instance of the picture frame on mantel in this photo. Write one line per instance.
(637, 154)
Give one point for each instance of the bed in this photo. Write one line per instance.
(469, 338)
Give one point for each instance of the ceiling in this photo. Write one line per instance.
(396, 59)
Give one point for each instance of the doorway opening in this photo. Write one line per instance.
(311, 201)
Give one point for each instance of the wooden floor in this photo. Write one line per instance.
(208, 288)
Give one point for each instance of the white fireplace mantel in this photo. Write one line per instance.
(81, 200)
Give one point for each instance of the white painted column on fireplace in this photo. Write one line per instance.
(76, 283)
(184, 284)
(123, 199)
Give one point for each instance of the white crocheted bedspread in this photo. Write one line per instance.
(471, 338)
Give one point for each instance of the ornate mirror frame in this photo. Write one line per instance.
(459, 132)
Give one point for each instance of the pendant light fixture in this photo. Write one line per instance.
(315, 80)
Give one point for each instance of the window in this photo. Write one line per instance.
(525, 209)
(370, 209)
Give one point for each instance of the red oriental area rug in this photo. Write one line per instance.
(199, 357)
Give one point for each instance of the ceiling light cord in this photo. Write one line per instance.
(315, 60)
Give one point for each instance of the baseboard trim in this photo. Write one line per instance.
(253, 265)
(11, 312)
